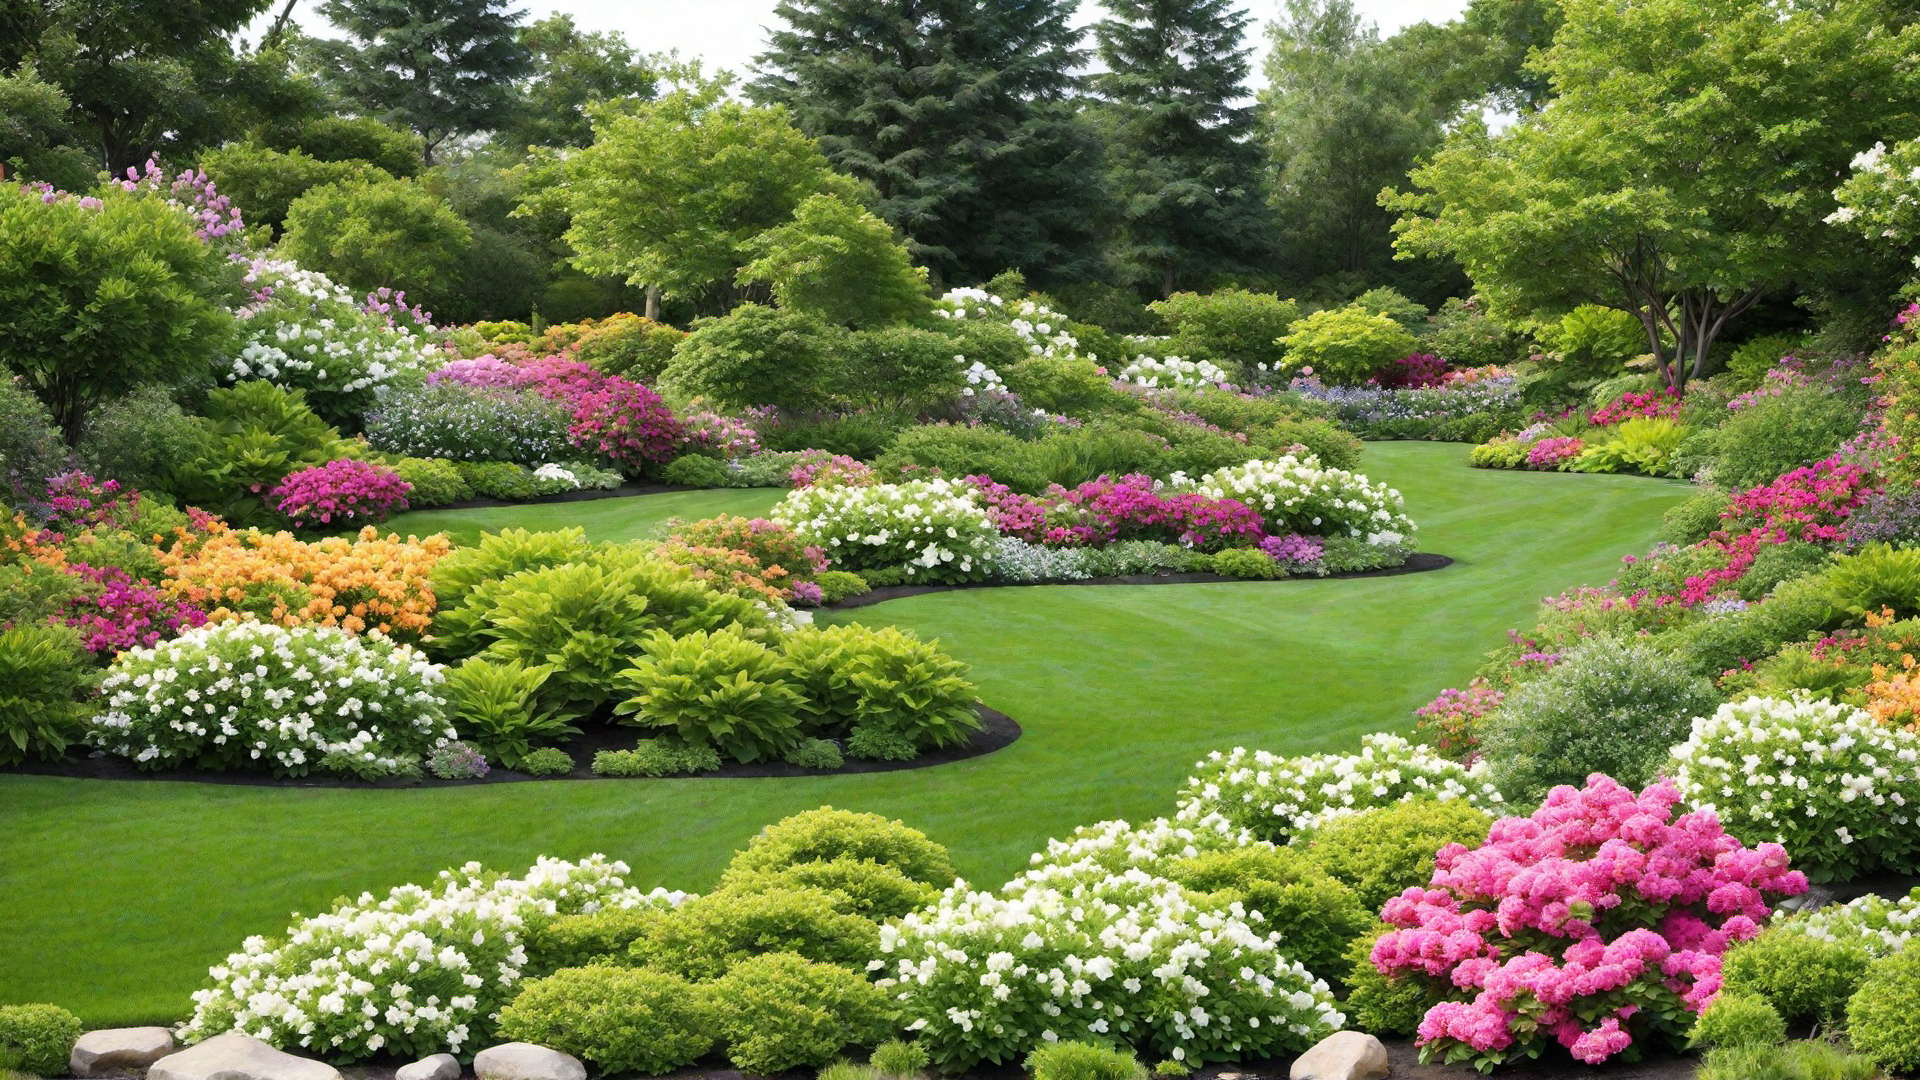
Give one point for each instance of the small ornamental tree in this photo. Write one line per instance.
(375, 233)
(838, 261)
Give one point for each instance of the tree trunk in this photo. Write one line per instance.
(653, 303)
(1166, 280)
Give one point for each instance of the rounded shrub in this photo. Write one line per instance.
(720, 689)
(1883, 1016)
(1083, 1061)
(1781, 433)
(870, 889)
(1380, 1003)
(1804, 978)
(1735, 1019)
(828, 834)
(1345, 346)
(435, 482)
(550, 761)
(620, 1020)
(1383, 852)
(756, 355)
(594, 937)
(1317, 917)
(37, 1039)
(705, 938)
(780, 1011)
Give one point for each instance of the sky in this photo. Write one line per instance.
(729, 33)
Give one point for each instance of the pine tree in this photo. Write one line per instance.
(960, 114)
(1185, 169)
(441, 67)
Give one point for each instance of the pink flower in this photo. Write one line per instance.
(345, 490)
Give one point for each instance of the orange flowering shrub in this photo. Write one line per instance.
(728, 570)
(370, 582)
(1893, 697)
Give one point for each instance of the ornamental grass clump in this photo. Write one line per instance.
(1826, 781)
(249, 695)
(1597, 922)
(936, 530)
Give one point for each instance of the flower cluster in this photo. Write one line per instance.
(726, 437)
(1417, 371)
(936, 529)
(1555, 452)
(1297, 494)
(422, 970)
(817, 468)
(1634, 403)
(1874, 923)
(1389, 410)
(345, 492)
(463, 421)
(124, 613)
(1276, 798)
(1454, 715)
(1105, 511)
(307, 333)
(626, 422)
(1599, 919)
(1173, 371)
(370, 581)
(193, 192)
(1296, 554)
(254, 695)
(1824, 780)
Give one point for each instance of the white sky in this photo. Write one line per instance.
(729, 33)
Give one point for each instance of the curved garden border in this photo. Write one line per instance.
(1417, 563)
(997, 731)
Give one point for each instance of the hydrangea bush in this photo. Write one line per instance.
(1277, 798)
(1173, 371)
(1824, 780)
(936, 529)
(1599, 920)
(252, 695)
(423, 970)
(1298, 494)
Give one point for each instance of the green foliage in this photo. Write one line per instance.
(896, 1060)
(1756, 356)
(1382, 853)
(43, 676)
(899, 367)
(264, 182)
(720, 689)
(31, 449)
(827, 834)
(1231, 326)
(1067, 1060)
(502, 480)
(1644, 444)
(756, 356)
(958, 450)
(600, 937)
(620, 1020)
(1610, 706)
(863, 887)
(1812, 1060)
(1068, 385)
(140, 439)
(495, 706)
(97, 301)
(859, 435)
(657, 757)
(369, 234)
(1883, 1016)
(629, 345)
(706, 937)
(906, 692)
(37, 1039)
(1465, 335)
(838, 585)
(1778, 434)
(549, 761)
(1248, 564)
(1317, 916)
(1780, 562)
(1795, 609)
(1345, 346)
(1396, 305)
(436, 482)
(1736, 1019)
(498, 555)
(250, 437)
(1380, 1004)
(1877, 576)
(779, 1011)
(816, 754)
(343, 138)
(1805, 979)
(839, 262)
(1692, 521)
(1595, 342)
(36, 142)
(572, 71)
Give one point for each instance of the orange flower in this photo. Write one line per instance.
(370, 580)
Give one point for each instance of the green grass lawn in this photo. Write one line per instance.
(604, 519)
(115, 897)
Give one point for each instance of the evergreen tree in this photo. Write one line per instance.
(1184, 168)
(961, 115)
(441, 67)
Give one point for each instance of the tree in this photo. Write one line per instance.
(1184, 168)
(377, 233)
(836, 260)
(1684, 169)
(443, 68)
(670, 195)
(572, 70)
(36, 143)
(960, 114)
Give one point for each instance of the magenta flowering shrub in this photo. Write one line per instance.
(817, 468)
(125, 613)
(1599, 920)
(78, 500)
(1665, 403)
(1453, 717)
(1554, 452)
(345, 492)
(1416, 371)
(1104, 511)
(481, 371)
(627, 422)
(1295, 551)
(192, 191)
(708, 432)
(391, 305)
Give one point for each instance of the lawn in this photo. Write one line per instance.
(116, 896)
(604, 519)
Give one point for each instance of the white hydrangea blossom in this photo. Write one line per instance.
(1042, 329)
(979, 378)
(422, 971)
(1874, 923)
(1298, 494)
(1173, 372)
(1827, 781)
(555, 473)
(936, 529)
(1280, 797)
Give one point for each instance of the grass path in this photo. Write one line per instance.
(115, 897)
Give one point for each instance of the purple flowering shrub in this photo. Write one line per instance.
(345, 492)
(1295, 552)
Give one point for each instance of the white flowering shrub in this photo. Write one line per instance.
(1074, 950)
(1874, 923)
(250, 695)
(980, 378)
(1019, 563)
(1833, 786)
(1298, 494)
(1173, 372)
(936, 530)
(1277, 798)
(423, 971)
(1042, 329)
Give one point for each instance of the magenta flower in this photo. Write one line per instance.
(340, 493)
(623, 420)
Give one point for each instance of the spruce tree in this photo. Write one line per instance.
(961, 115)
(1184, 168)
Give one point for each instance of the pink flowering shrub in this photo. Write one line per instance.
(1295, 551)
(627, 422)
(1554, 452)
(1020, 516)
(1599, 920)
(1632, 404)
(125, 613)
(817, 468)
(345, 492)
(708, 432)
(1130, 509)
(1416, 371)
(78, 500)
(1453, 717)
(482, 371)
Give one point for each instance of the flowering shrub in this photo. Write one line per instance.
(465, 422)
(1555, 452)
(251, 695)
(1295, 553)
(1276, 798)
(1462, 408)
(422, 970)
(935, 529)
(1666, 403)
(726, 437)
(1454, 716)
(627, 422)
(341, 492)
(1824, 780)
(1414, 371)
(1173, 372)
(1295, 494)
(370, 581)
(818, 468)
(771, 544)
(1598, 920)
(1874, 923)
(124, 612)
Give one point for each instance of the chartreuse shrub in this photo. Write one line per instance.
(779, 1011)
(1318, 917)
(436, 482)
(1810, 1060)
(497, 555)
(827, 835)
(1229, 326)
(1876, 578)
(1806, 979)
(547, 761)
(714, 689)
(707, 937)
(893, 693)
(37, 1039)
(1380, 1003)
(601, 937)
(1736, 1019)
(898, 1060)
(1883, 1016)
(44, 674)
(620, 1020)
(495, 706)
(1383, 852)
(1693, 520)
(1083, 1061)
(656, 757)
(1345, 346)
(871, 889)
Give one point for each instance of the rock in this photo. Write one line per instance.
(119, 1048)
(525, 1061)
(1343, 1055)
(437, 1067)
(234, 1056)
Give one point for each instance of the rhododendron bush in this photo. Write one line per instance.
(1596, 922)
(341, 493)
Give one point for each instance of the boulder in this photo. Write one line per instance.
(436, 1067)
(1343, 1055)
(234, 1056)
(119, 1048)
(525, 1061)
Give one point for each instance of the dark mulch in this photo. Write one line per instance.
(621, 492)
(1415, 564)
(996, 732)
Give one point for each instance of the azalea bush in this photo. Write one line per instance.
(627, 423)
(120, 612)
(341, 493)
(1825, 781)
(249, 695)
(422, 970)
(1453, 717)
(1277, 798)
(936, 529)
(1295, 494)
(1599, 920)
(369, 582)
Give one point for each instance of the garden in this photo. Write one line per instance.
(578, 566)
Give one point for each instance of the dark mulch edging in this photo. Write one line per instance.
(1418, 563)
(997, 731)
(587, 495)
